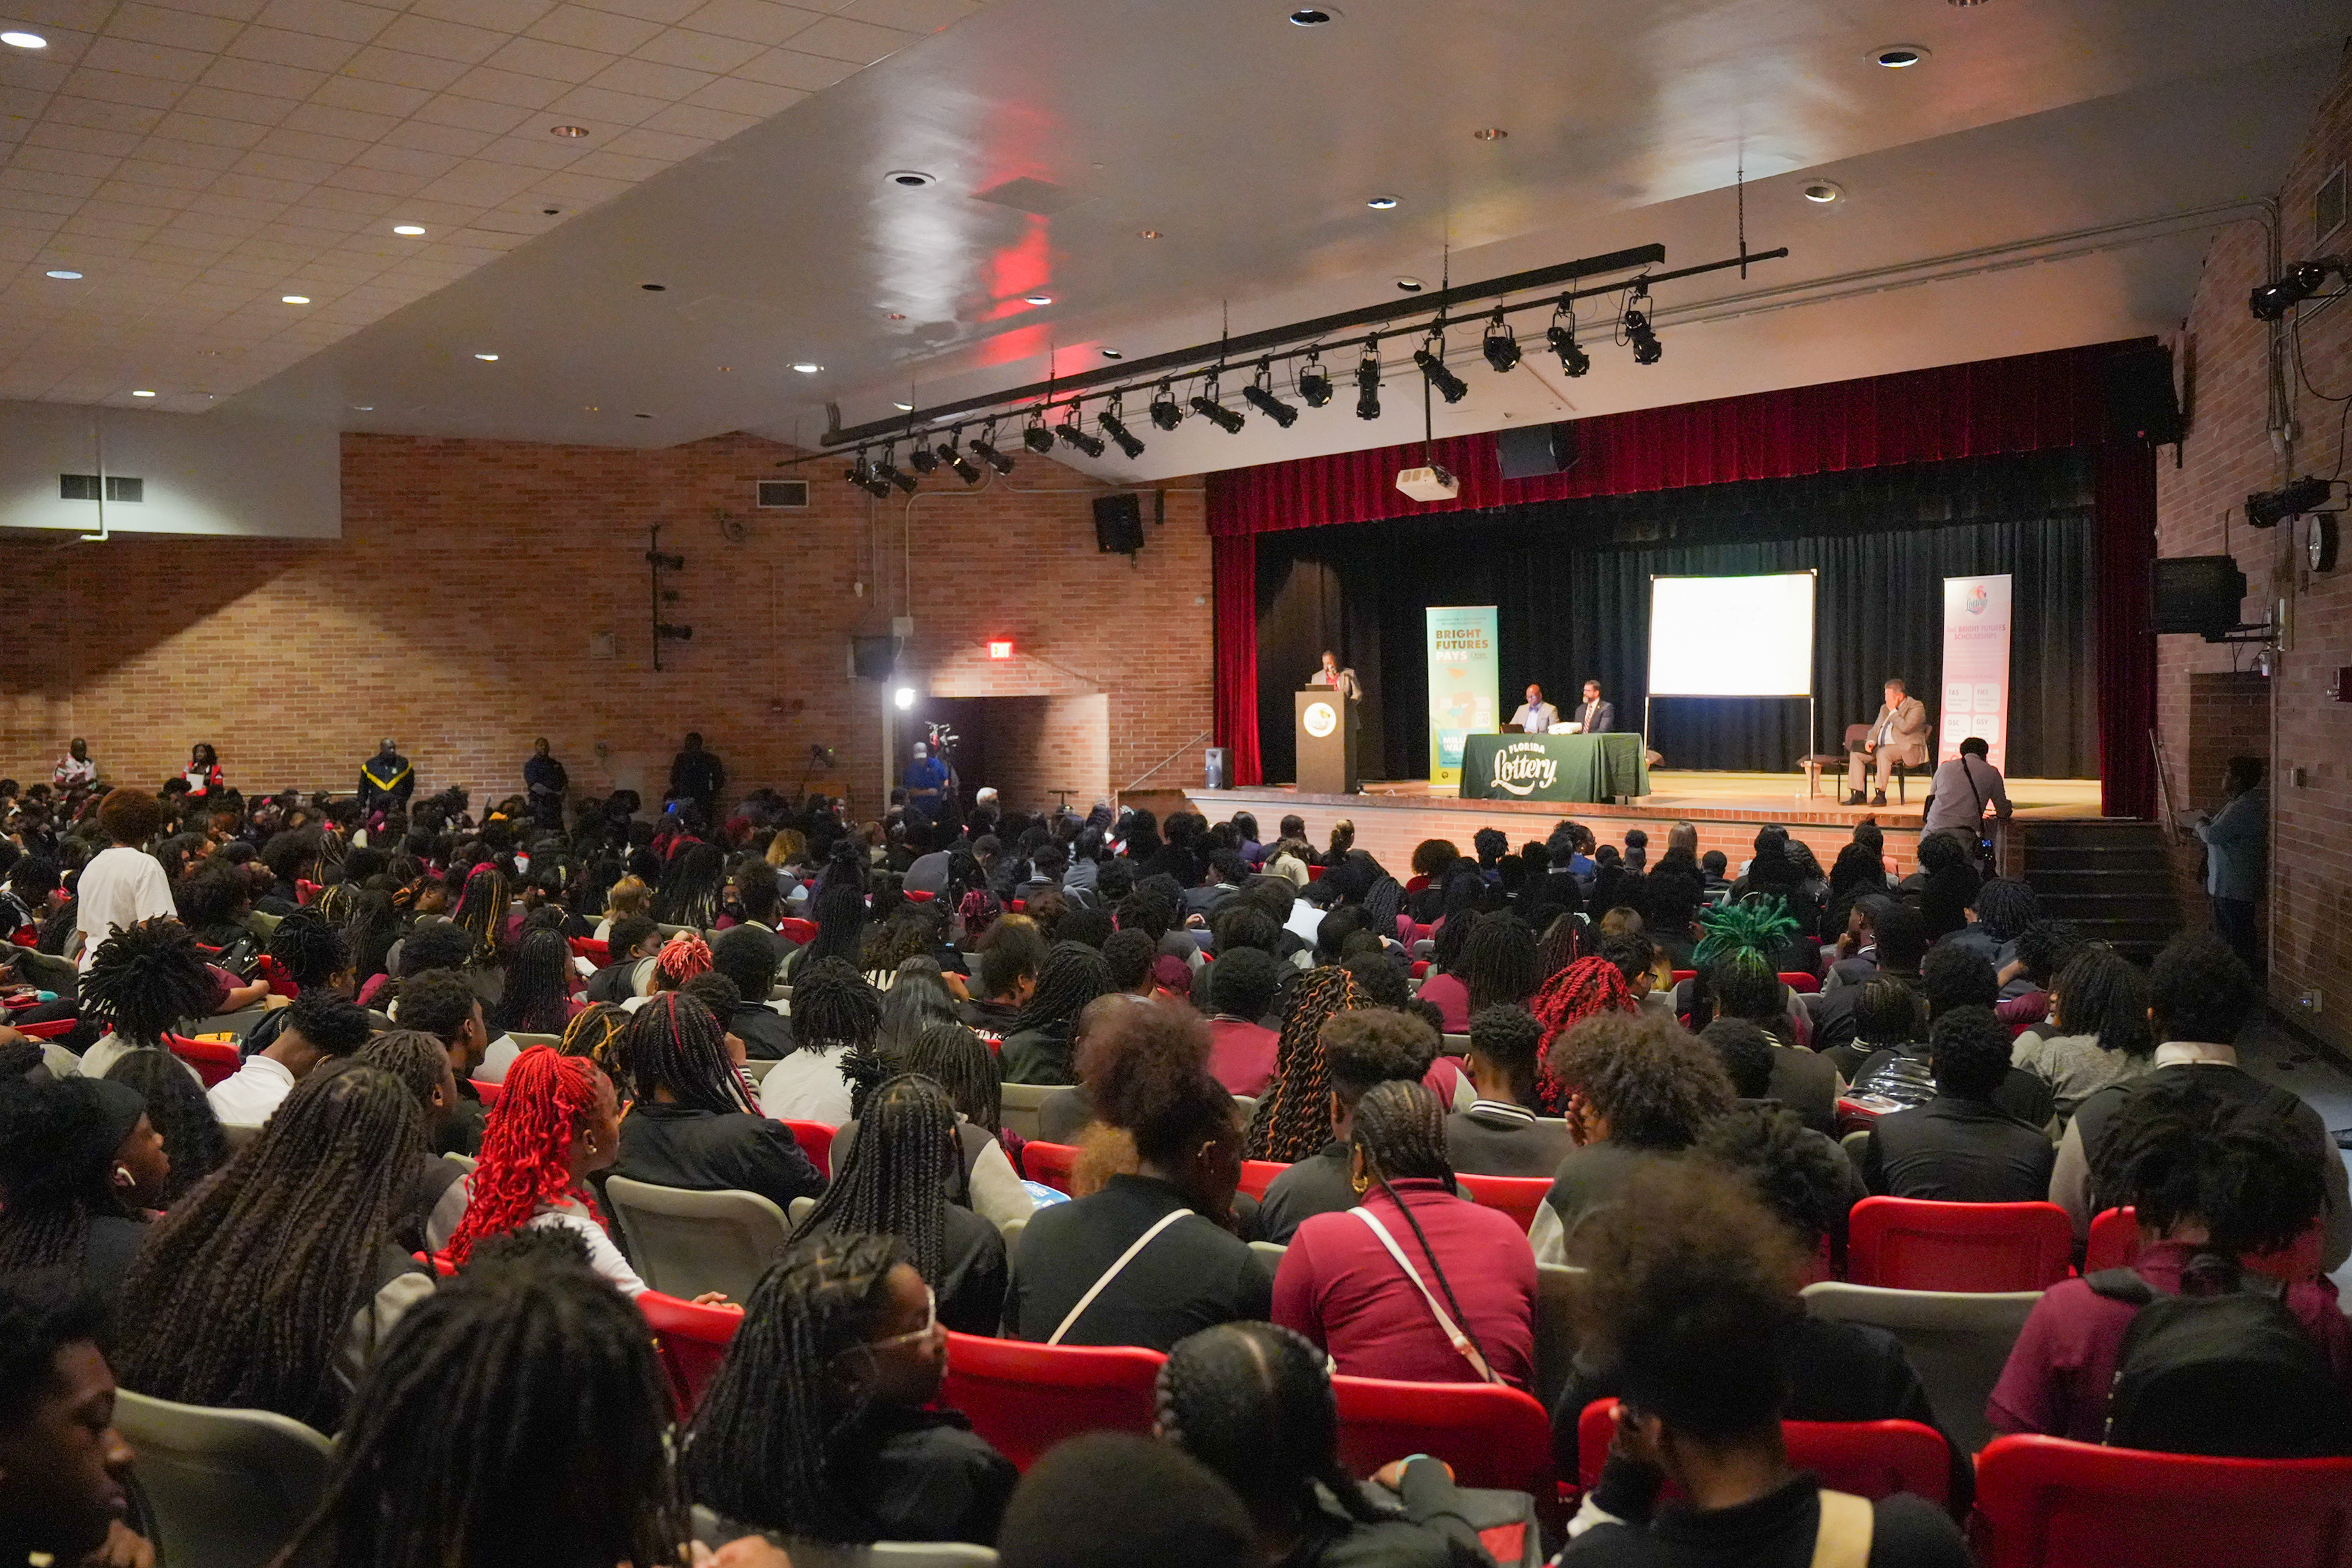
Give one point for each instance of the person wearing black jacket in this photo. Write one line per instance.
(387, 780)
(1960, 1147)
(633, 940)
(750, 956)
(698, 776)
(695, 1125)
(545, 781)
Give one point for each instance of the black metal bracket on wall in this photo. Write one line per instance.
(656, 563)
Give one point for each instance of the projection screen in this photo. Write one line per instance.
(1732, 636)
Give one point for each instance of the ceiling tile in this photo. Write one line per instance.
(504, 15)
(66, 161)
(332, 151)
(587, 30)
(472, 114)
(327, 18)
(291, 48)
(401, 68)
(616, 165)
(254, 187)
(375, 97)
(507, 87)
(117, 86)
(280, 166)
(760, 21)
(177, 176)
(102, 228)
(354, 124)
(261, 77)
(911, 16)
(698, 51)
(592, 106)
(250, 107)
(370, 206)
(218, 132)
(162, 196)
(738, 95)
(382, 181)
(790, 67)
(103, 116)
(16, 177)
(189, 154)
(146, 60)
(669, 83)
(441, 40)
(180, 29)
(533, 153)
(666, 12)
(450, 138)
(560, 62)
(838, 38)
(694, 121)
(235, 10)
(643, 143)
(484, 183)
(416, 160)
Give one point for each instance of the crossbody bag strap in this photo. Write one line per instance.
(1454, 1335)
(1113, 1272)
(1842, 1540)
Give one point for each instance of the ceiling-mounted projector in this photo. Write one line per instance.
(1435, 482)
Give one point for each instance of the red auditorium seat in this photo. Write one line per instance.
(1026, 1397)
(921, 895)
(1491, 1435)
(306, 892)
(2114, 1242)
(1909, 1244)
(1421, 968)
(1868, 1458)
(691, 1342)
(490, 1093)
(1258, 1174)
(1315, 874)
(1518, 1196)
(48, 1028)
(801, 931)
(1681, 975)
(214, 1059)
(592, 948)
(1049, 1163)
(1796, 980)
(2045, 1502)
(815, 1140)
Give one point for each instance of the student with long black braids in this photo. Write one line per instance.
(816, 1425)
(1037, 1044)
(274, 1284)
(79, 1166)
(895, 1180)
(1253, 1403)
(835, 1013)
(695, 1123)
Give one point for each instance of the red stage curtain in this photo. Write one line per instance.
(2124, 501)
(2025, 403)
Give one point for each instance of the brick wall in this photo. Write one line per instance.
(464, 609)
(2230, 452)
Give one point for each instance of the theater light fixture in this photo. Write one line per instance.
(2269, 508)
(1647, 350)
(947, 452)
(1574, 360)
(904, 696)
(922, 460)
(1501, 348)
(985, 449)
(862, 475)
(1034, 436)
(889, 473)
(1314, 381)
(1451, 387)
(1259, 395)
(1206, 405)
(2272, 301)
(1166, 412)
(1072, 433)
(1112, 422)
(1368, 380)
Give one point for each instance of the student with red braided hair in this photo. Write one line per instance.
(684, 957)
(1589, 988)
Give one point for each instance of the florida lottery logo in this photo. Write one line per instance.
(1523, 767)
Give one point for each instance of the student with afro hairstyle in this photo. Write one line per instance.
(145, 981)
(695, 1125)
(1640, 1091)
(80, 1164)
(1011, 952)
(273, 1285)
(1171, 1511)
(1254, 1403)
(820, 1424)
(1145, 1260)
(1242, 986)
(2001, 910)
(2216, 1176)
(835, 1015)
(1357, 1048)
(1414, 1283)
(750, 955)
(1037, 1045)
(122, 885)
(1500, 1134)
(321, 1026)
(62, 1463)
(1690, 1309)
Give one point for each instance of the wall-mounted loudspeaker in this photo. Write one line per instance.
(1524, 450)
(1118, 524)
(873, 658)
(2140, 403)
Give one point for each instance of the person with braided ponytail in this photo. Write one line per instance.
(80, 1164)
(1588, 987)
(682, 957)
(1294, 1116)
(1148, 1260)
(145, 981)
(695, 1123)
(834, 1014)
(1359, 1048)
(274, 1284)
(595, 1032)
(1372, 1296)
(481, 914)
(816, 1424)
(894, 1180)
(983, 1181)
(1254, 1403)
(1037, 1044)
(435, 1198)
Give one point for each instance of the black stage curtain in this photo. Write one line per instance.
(1571, 583)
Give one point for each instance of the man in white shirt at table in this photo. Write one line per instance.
(1536, 717)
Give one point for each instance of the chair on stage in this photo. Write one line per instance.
(1815, 763)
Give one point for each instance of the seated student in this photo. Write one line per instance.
(894, 1180)
(834, 1014)
(535, 997)
(2040, 950)
(441, 1003)
(2097, 1034)
(629, 972)
(431, 1471)
(1359, 1048)
(1242, 985)
(1499, 1134)
(315, 956)
(1171, 1512)
(437, 1196)
(1889, 1034)
(1414, 1283)
(321, 1026)
(1444, 985)
(1690, 1310)
(1855, 958)
(2198, 997)
(984, 1180)
(1011, 952)
(1254, 1403)
(145, 982)
(233, 1303)
(2214, 1176)
(1127, 958)
(694, 1124)
(1961, 1146)
(1951, 979)
(1746, 1053)
(750, 956)
(683, 956)
(820, 1425)
(625, 897)
(1640, 1090)
(1037, 1045)
(1901, 944)
(1148, 1260)
(62, 1464)
(2001, 910)
(80, 1165)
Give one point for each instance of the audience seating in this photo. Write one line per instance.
(1868, 1458)
(491, 1094)
(1799, 981)
(47, 1029)
(224, 1489)
(1026, 1397)
(2114, 1242)
(1493, 1435)
(1049, 1163)
(1518, 1196)
(691, 1340)
(815, 1140)
(214, 1059)
(1269, 1252)
(1958, 1340)
(713, 1533)
(2046, 1502)
(803, 932)
(684, 1243)
(1258, 1174)
(524, 1040)
(596, 950)
(1911, 1244)
(47, 970)
(1555, 1331)
(239, 1134)
(1021, 1105)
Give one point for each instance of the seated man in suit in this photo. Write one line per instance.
(1536, 717)
(1594, 716)
(1898, 734)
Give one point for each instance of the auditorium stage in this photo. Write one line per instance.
(1725, 808)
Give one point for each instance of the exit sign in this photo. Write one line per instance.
(999, 650)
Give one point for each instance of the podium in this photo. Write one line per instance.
(1325, 725)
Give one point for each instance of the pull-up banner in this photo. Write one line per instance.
(1461, 677)
(1976, 666)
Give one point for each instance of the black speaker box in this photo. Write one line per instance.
(874, 658)
(2140, 403)
(2199, 593)
(1527, 450)
(1119, 523)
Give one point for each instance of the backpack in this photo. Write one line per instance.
(2222, 1369)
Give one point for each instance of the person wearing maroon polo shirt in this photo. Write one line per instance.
(1241, 986)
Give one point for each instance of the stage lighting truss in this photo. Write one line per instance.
(1368, 380)
(1205, 404)
(1076, 436)
(1112, 421)
(1634, 324)
(1574, 360)
(1431, 358)
(1501, 348)
(1259, 395)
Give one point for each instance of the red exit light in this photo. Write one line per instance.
(999, 650)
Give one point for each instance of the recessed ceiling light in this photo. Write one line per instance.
(573, 131)
(591, 408)
(142, 392)
(67, 274)
(1825, 192)
(1489, 133)
(1900, 57)
(485, 356)
(551, 212)
(1410, 284)
(1039, 299)
(363, 408)
(725, 368)
(654, 288)
(808, 368)
(24, 40)
(1113, 354)
(408, 228)
(1382, 204)
(910, 178)
(1314, 15)
(293, 299)
(645, 417)
(1148, 233)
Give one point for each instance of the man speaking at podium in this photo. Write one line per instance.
(1536, 717)
(1342, 681)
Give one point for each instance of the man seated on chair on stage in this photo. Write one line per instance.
(1899, 734)
(1594, 716)
(1536, 717)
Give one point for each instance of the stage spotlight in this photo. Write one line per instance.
(1368, 380)
(1206, 405)
(1166, 412)
(2269, 508)
(1451, 387)
(920, 458)
(1574, 360)
(1634, 328)
(1111, 425)
(1501, 350)
(889, 474)
(1074, 434)
(985, 450)
(2272, 301)
(1259, 395)
(1034, 436)
(1314, 381)
(947, 452)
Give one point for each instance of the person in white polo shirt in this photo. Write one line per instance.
(319, 1027)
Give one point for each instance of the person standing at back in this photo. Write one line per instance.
(545, 781)
(698, 775)
(387, 779)
(2236, 840)
(122, 884)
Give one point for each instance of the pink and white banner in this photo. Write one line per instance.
(1976, 666)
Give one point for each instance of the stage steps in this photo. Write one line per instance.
(2111, 876)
